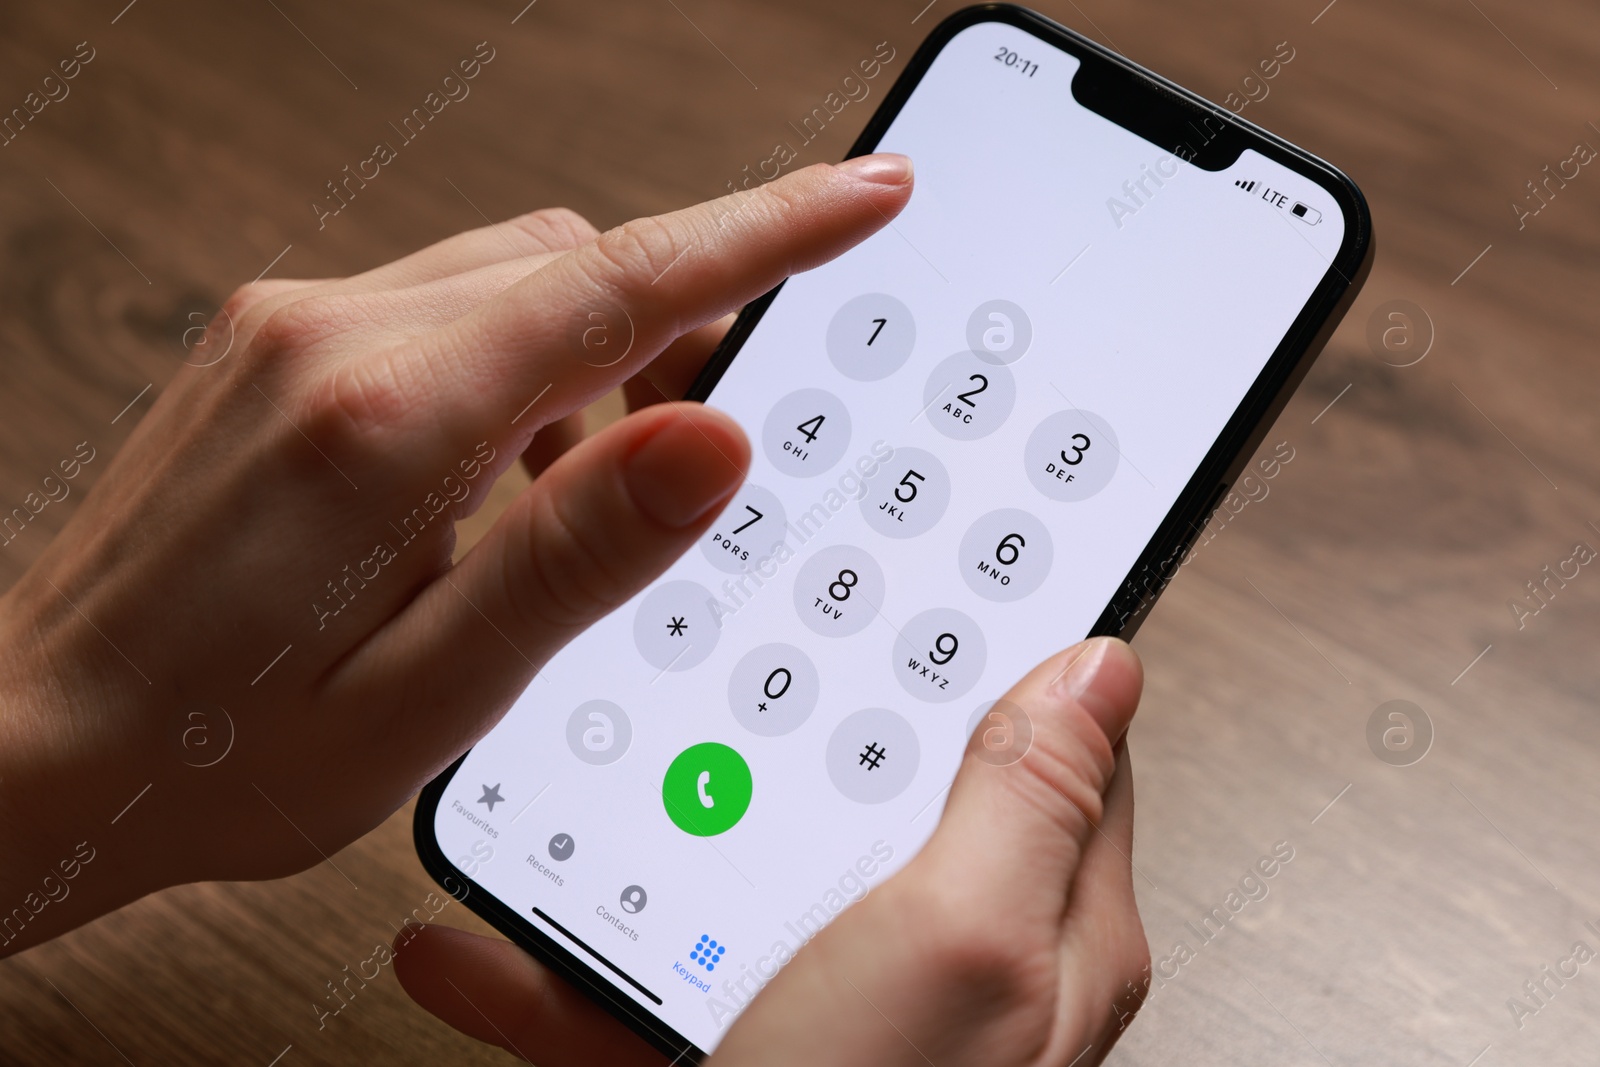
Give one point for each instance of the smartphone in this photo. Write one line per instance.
(990, 430)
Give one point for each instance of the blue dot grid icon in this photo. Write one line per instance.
(707, 953)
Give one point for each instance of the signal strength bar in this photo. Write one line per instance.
(1247, 186)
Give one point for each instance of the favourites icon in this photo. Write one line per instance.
(707, 953)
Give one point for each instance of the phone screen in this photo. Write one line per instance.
(965, 431)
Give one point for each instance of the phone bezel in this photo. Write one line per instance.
(1233, 448)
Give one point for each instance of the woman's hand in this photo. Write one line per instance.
(1012, 938)
(251, 629)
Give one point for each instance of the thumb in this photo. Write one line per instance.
(1031, 788)
(957, 959)
(599, 524)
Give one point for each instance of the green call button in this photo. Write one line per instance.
(707, 789)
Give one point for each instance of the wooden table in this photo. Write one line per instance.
(1419, 501)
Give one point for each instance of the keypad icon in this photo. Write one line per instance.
(707, 953)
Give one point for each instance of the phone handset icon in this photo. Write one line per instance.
(687, 788)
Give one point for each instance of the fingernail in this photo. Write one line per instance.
(1087, 682)
(679, 473)
(884, 168)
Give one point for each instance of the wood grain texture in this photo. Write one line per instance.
(1378, 566)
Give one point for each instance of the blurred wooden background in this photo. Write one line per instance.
(1379, 567)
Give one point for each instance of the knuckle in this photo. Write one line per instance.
(334, 409)
(635, 251)
(244, 298)
(358, 398)
(1063, 779)
(1070, 757)
(556, 227)
(779, 200)
(296, 324)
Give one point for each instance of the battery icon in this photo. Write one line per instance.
(1306, 214)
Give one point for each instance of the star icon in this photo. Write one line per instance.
(491, 796)
(676, 626)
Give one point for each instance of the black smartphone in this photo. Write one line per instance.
(990, 430)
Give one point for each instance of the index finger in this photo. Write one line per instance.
(571, 332)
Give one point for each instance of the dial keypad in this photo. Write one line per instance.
(1072, 455)
(839, 591)
(806, 433)
(908, 495)
(968, 397)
